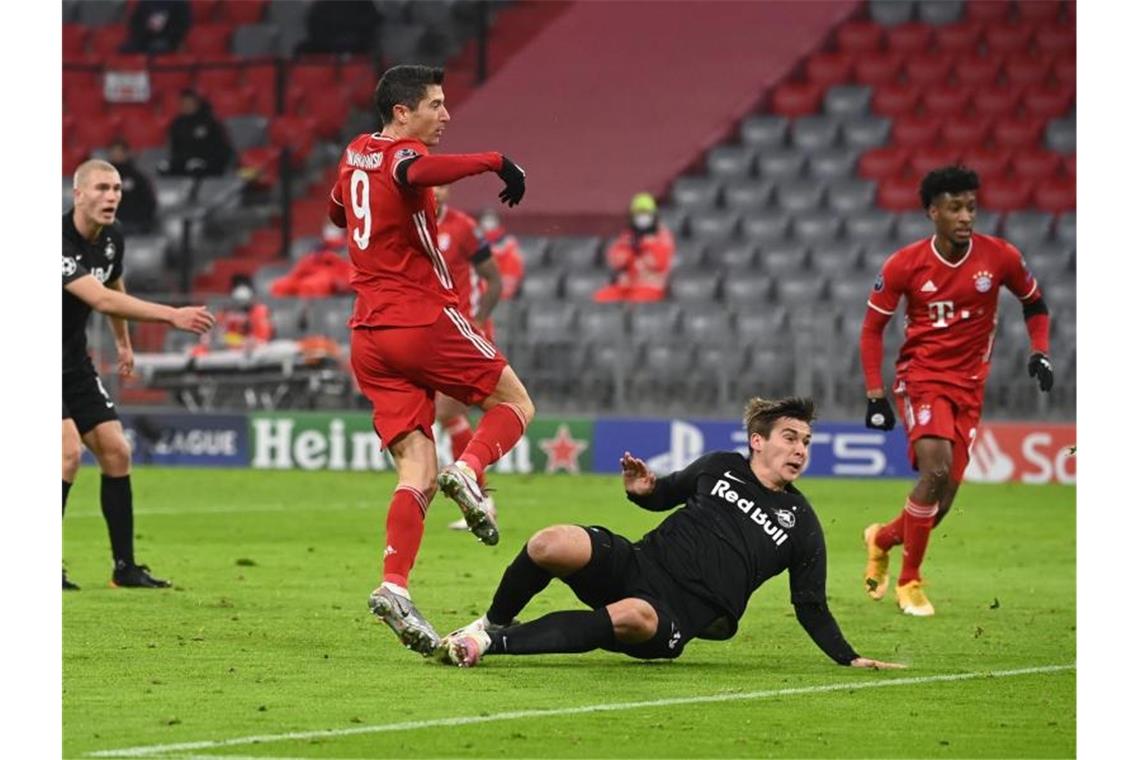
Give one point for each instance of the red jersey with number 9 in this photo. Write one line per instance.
(951, 308)
(398, 273)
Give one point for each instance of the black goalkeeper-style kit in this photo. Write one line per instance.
(84, 398)
(732, 535)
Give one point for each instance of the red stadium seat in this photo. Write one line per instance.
(1048, 101)
(896, 99)
(1017, 134)
(883, 163)
(989, 163)
(295, 132)
(105, 41)
(85, 101)
(330, 110)
(170, 80)
(1039, 10)
(1036, 163)
(261, 165)
(988, 10)
(73, 156)
(898, 194)
(245, 12)
(931, 157)
(1065, 69)
(146, 130)
(915, 130)
(98, 132)
(1027, 68)
(796, 98)
(966, 130)
(209, 41)
(860, 36)
(1056, 37)
(946, 99)
(213, 80)
(235, 102)
(310, 215)
(1008, 36)
(204, 11)
(1056, 195)
(877, 68)
(910, 38)
(827, 69)
(928, 68)
(313, 77)
(997, 100)
(959, 39)
(74, 41)
(1006, 194)
(1069, 162)
(977, 70)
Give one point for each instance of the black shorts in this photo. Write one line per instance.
(85, 400)
(617, 570)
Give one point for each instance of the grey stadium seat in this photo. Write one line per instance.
(533, 250)
(172, 192)
(1049, 263)
(689, 252)
(713, 226)
(812, 133)
(781, 259)
(843, 101)
(298, 247)
(1066, 228)
(1061, 135)
(542, 284)
(911, 226)
(800, 290)
(987, 222)
(748, 288)
(816, 226)
(851, 196)
(148, 160)
(1063, 294)
(675, 218)
(247, 131)
(221, 192)
(290, 317)
(872, 224)
(891, 12)
(875, 252)
(800, 195)
(732, 256)
(766, 226)
(329, 316)
(256, 40)
(763, 324)
(833, 163)
(575, 252)
(1027, 228)
(731, 161)
(551, 320)
(288, 13)
(764, 132)
(706, 322)
(939, 12)
(603, 322)
(146, 260)
(100, 12)
(694, 284)
(654, 321)
(696, 192)
(264, 277)
(781, 163)
(866, 132)
(747, 194)
(850, 292)
(401, 42)
(836, 259)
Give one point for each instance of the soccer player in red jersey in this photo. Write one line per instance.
(410, 336)
(950, 282)
(478, 287)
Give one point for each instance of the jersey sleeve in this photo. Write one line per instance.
(1017, 277)
(889, 286)
(404, 152)
(807, 578)
(673, 489)
(118, 265)
(72, 270)
(480, 250)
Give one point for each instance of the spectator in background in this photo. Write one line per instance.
(157, 26)
(199, 145)
(322, 272)
(137, 209)
(505, 249)
(341, 26)
(245, 323)
(641, 256)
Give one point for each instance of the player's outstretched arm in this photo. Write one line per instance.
(866, 662)
(195, 319)
(432, 171)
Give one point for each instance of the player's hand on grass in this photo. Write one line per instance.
(195, 319)
(880, 416)
(866, 662)
(636, 475)
(126, 361)
(1041, 368)
(514, 179)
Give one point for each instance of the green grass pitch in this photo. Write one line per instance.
(267, 634)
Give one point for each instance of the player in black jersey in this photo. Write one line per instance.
(92, 280)
(742, 523)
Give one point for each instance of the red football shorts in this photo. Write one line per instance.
(934, 410)
(399, 369)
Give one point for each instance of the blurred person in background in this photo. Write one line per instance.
(199, 145)
(157, 26)
(245, 323)
(321, 273)
(137, 210)
(93, 250)
(341, 26)
(477, 287)
(505, 249)
(951, 282)
(641, 256)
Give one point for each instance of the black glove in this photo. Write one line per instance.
(515, 180)
(880, 416)
(1041, 368)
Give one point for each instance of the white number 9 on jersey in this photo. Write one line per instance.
(361, 208)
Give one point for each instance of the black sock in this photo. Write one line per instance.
(118, 511)
(522, 580)
(567, 631)
(66, 490)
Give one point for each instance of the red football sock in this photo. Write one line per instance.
(460, 431)
(405, 529)
(891, 534)
(918, 519)
(498, 431)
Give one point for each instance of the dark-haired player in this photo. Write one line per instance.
(92, 280)
(410, 337)
(950, 281)
(742, 523)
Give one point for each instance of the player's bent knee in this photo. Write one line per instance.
(115, 458)
(559, 549)
(71, 458)
(634, 620)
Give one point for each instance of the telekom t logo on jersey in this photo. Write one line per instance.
(940, 313)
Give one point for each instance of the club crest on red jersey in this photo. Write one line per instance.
(924, 414)
(444, 239)
(983, 281)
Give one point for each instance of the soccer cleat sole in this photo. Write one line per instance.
(417, 639)
(876, 580)
(479, 521)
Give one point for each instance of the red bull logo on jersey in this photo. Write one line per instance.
(723, 489)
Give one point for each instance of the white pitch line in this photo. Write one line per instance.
(167, 749)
